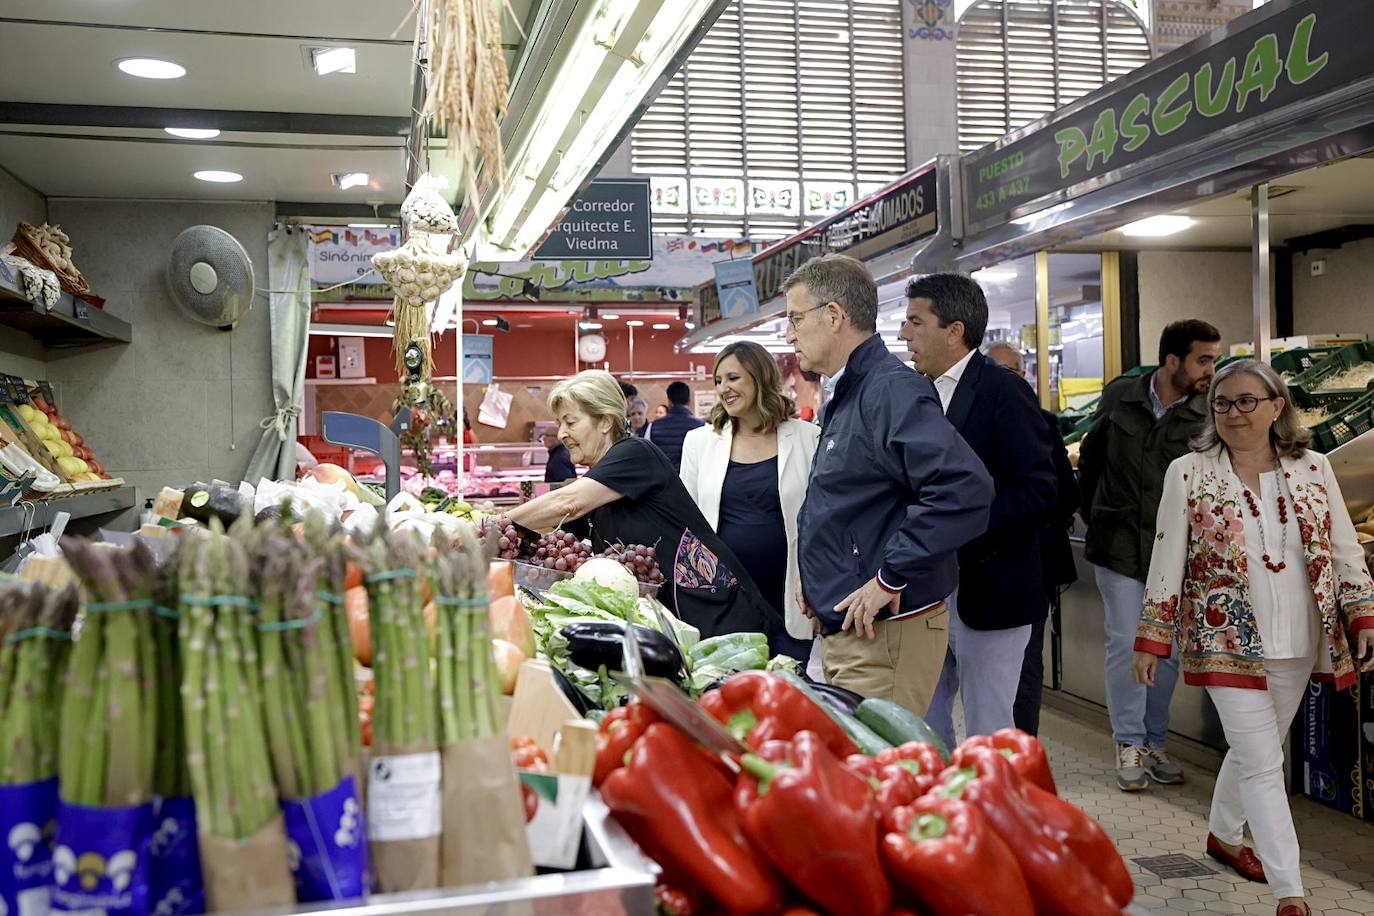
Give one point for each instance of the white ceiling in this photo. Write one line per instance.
(241, 55)
(1321, 198)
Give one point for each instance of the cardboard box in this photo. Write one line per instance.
(1328, 765)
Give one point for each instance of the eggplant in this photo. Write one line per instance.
(581, 702)
(846, 701)
(593, 644)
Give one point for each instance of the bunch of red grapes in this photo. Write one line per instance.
(638, 559)
(562, 551)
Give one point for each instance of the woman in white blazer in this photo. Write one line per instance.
(747, 470)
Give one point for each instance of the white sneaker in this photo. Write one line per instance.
(1130, 767)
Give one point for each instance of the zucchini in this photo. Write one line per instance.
(897, 724)
(868, 741)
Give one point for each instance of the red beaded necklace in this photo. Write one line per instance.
(1282, 564)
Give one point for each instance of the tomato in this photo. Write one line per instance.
(355, 605)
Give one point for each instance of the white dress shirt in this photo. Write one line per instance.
(945, 384)
(1283, 603)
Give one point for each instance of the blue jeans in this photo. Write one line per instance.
(1139, 714)
(984, 668)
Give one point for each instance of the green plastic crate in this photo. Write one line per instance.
(1297, 361)
(1351, 415)
(1346, 357)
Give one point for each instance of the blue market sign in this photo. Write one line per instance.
(609, 221)
(1296, 54)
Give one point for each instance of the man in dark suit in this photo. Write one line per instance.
(560, 465)
(1056, 555)
(1001, 592)
(669, 431)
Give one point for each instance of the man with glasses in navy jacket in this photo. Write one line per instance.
(894, 493)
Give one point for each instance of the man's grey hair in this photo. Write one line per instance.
(841, 279)
(1009, 348)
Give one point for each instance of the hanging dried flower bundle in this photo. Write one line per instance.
(468, 83)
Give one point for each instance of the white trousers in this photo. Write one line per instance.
(1250, 787)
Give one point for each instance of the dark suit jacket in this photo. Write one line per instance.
(1000, 579)
(1056, 554)
(669, 432)
(560, 465)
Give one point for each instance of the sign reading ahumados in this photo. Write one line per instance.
(609, 221)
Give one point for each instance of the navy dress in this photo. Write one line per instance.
(751, 526)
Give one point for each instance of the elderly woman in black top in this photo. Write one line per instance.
(631, 494)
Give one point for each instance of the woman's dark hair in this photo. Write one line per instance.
(774, 407)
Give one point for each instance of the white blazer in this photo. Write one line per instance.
(705, 459)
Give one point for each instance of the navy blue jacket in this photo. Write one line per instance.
(1000, 576)
(893, 487)
(560, 465)
(669, 432)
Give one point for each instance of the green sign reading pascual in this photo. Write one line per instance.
(1301, 52)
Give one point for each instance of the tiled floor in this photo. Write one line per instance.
(1337, 850)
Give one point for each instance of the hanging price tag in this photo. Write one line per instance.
(46, 390)
(81, 311)
(19, 389)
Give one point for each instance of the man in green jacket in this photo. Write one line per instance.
(1143, 424)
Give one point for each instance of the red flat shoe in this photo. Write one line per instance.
(1247, 864)
(1295, 909)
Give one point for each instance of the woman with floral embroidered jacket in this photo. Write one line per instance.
(632, 495)
(1258, 573)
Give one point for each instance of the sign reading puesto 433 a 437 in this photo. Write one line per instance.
(1310, 48)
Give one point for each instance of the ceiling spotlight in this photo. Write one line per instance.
(193, 133)
(149, 68)
(610, 316)
(663, 327)
(1156, 226)
(345, 180)
(634, 324)
(489, 322)
(530, 290)
(333, 60)
(219, 177)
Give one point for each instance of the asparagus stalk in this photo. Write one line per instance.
(275, 673)
(194, 631)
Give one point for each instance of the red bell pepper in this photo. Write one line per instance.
(920, 758)
(1027, 755)
(898, 786)
(617, 734)
(676, 805)
(815, 820)
(759, 706)
(1085, 838)
(1059, 882)
(942, 851)
(862, 765)
(675, 901)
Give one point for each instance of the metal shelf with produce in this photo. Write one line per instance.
(69, 323)
(39, 515)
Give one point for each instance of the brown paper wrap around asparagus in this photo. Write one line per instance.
(251, 874)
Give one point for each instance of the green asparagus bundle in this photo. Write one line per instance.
(307, 692)
(404, 795)
(35, 642)
(466, 667)
(243, 843)
(109, 720)
(329, 544)
(171, 776)
(222, 692)
(484, 835)
(407, 707)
